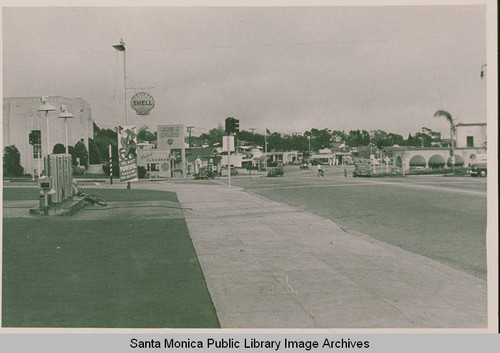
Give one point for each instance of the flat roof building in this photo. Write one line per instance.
(20, 117)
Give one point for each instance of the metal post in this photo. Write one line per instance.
(110, 166)
(452, 149)
(39, 147)
(48, 134)
(125, 83)
(183, 161)
(66, 131)
(265, 150)
(229, 163)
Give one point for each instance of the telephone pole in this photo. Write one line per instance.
(253, 134)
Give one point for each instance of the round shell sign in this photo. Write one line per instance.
(142, 103)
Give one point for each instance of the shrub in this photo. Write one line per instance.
(82, 153)
(141, 171)
(457, 171)
(94, 153)
(12, 161)
(59, 149)
(78, 170)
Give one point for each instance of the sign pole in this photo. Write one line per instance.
(229, 160)
(110, 166)
(183, 158)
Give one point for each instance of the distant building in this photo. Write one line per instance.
(20, 117)
(206, 157)
(471, 135)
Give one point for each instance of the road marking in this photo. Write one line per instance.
(301, 186)
(428, 187)
(365, 182)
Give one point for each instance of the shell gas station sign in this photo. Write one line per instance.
(142, 103)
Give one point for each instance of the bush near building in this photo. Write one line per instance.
(59, 149)
(94, 153)
(12, 161)
(141, 172)
(81, 152)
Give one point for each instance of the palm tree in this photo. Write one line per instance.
(441, 113)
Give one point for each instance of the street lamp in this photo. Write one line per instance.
(64, 114)
(46, 107)
(121, 47)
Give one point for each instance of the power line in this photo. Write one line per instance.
(338, 42)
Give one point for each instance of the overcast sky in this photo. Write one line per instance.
(286, 69)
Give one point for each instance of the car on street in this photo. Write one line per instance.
(205, 173)
(479, 166)
(362, 169)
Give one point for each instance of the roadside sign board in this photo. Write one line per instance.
(228, 143)
(127, 153)
(171, 136)
(387, 160)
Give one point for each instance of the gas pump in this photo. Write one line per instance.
(45, 184)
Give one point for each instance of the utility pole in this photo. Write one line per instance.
(189, 128)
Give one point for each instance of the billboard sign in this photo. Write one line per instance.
(171, 136)
(127, 153)
(155, 161)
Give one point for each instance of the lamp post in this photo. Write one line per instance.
(121, 47)
(46, 107)
(64, 114)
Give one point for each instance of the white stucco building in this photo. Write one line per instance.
(20, 117)
(472, 135)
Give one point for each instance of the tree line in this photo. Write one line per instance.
(322, 138)
(313, 139)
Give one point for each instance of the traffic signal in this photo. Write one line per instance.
(229, 125)
(236, 125)
(232, 125)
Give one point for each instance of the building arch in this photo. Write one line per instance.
(399, 162)
(436, 161)
(417, 161)
(459, 161)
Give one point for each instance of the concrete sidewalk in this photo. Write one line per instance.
(268, 265)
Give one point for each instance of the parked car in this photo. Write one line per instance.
(276, 172)
(479, 167)
(362, 169)
(205, 173)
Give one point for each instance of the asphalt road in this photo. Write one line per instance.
(443, 218)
